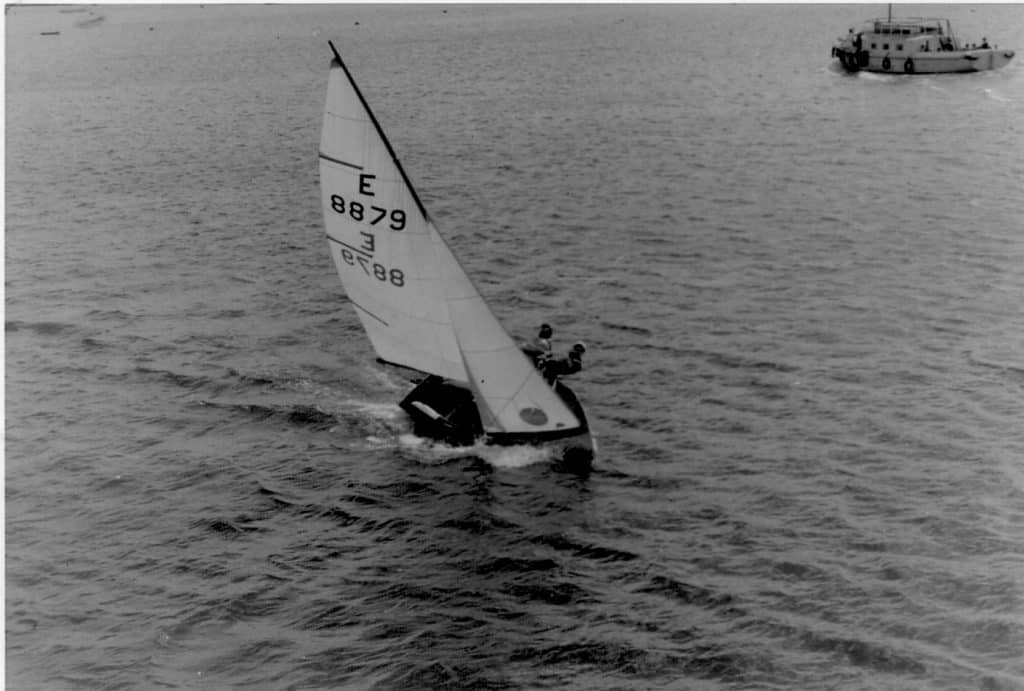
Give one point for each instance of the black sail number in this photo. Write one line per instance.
(373, 214)
(395, 277)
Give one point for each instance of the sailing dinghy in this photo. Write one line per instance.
(419, 308)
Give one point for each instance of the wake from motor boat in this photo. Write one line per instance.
(876, 77)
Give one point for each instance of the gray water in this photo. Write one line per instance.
(801, 292)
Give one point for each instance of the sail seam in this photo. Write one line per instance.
(339, 161)
(366, 311)
(348, 246)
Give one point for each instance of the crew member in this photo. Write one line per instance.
(571, 364)
(539, 349)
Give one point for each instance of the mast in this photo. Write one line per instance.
(890, 15)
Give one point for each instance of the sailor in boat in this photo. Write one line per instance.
(570, 364)
(539, 349)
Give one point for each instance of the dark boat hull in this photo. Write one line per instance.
(446, 412)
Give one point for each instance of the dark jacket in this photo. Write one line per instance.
(570, 364)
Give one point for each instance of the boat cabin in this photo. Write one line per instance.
(910, 26)
(906, 35)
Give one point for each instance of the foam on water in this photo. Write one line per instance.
(878, 77)
(375, 409)
(432, 452)
(389, 380)
(515, 456)
(995, 96)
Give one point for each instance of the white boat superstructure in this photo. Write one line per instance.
(915, 45)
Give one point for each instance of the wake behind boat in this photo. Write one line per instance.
(914, 45)
(417, 305)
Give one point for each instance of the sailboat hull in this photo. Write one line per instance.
(445, 411)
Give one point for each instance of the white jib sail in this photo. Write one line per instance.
(417, 304)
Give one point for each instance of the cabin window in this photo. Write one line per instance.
(885, 46)
(899, 46)
(873, 45)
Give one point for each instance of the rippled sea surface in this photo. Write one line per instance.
(802, 294)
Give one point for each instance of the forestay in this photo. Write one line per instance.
(417, 304)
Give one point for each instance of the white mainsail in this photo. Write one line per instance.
(416, 303)
(380, 240)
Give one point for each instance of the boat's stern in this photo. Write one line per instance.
(443, 411)
(850, 57)
(447, 412)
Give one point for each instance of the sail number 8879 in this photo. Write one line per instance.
(374, 215)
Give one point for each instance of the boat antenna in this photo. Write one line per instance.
(890, 14)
